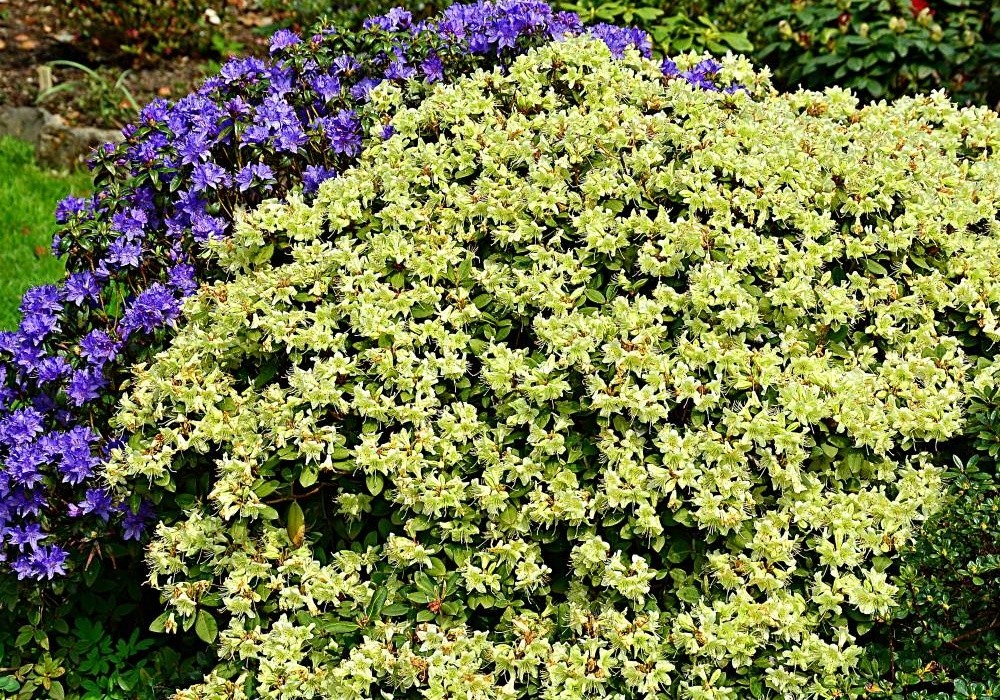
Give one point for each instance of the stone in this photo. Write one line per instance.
(57, 145)
(68, 147)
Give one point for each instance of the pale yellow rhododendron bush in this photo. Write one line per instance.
(584, 384)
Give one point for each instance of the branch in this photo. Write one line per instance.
(995, 624)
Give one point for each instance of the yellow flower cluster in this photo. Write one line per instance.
(589, 384)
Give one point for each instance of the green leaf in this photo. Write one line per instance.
(425, 583)
(159, 624)
(396, 609)
(689, 594)
(340, 627)
(647, 13)
(437, 568)
(377, 602)
(206, 627)
(678, 552)
(296, 524)
(738, 41)
(308, 476)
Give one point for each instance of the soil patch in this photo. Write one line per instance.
(33, 34)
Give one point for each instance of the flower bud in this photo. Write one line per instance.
(863, 30)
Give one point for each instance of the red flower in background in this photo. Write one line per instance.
(918, 6)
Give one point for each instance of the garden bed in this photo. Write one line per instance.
(32, 36)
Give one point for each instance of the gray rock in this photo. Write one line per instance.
(26, 123)
(61, 146)
(57, 145)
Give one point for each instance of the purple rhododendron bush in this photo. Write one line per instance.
(489, 357)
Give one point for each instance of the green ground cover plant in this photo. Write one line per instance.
(28, 196)
(584, 383)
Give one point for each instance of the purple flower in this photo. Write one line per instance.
(98, 347)
(155, 112)
(397, 70)
(28, 535)
(209, 176)
(326, 86)
(282, 39)
(23, 463)
(182, 279)
(194, 147)
(314, 175)
(152, 309)
(395, 19)
(21, 426)
(134, 523)
(44, 299)
(70, 207)
(565, 24)
(97, 501)
(254, 174)
(343, 132)
(207, 227)
(124, 253)
(360, 90)
(242, 69)
(85, 385)
(46, 562)
(432, 68)
(52, 369)
(27, 501)
(345, 65)
(35, 327)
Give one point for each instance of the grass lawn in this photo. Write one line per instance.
(28, 198)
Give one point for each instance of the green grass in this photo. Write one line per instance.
(28, 196)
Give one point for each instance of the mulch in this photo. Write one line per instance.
(31, 35)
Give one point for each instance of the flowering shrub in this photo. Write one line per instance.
(132, 250)
(255, 131)
(948, 626)
(584, 383)
(884, 49)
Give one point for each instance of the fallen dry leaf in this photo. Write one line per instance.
(163, 91)
(255, 20)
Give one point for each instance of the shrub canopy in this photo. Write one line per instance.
(584, 383)
(256, 130)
